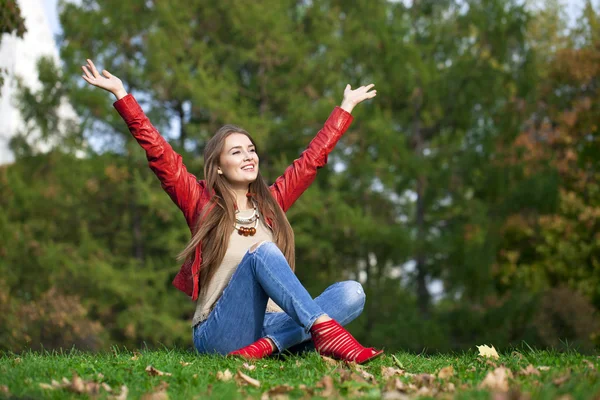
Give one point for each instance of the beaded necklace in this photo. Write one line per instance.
(243, 230)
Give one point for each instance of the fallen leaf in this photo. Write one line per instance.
(361, 371)
(328, 388)
(543, 368)
(330, 361)
(281, 367)
(423, 379)
(472, 369)
(17, 360)
(184, 364)
(530, 370)
(277, 392)
(46, 386)
(560, 380)
(106, 387)
(136, 355)
(224, 376)
(100, 375)
(497, 379)
(427, 391)
(486, 351)
(446, 372)
(298, 363)
(243, 379)
(589, 364)
(4, 389)
(450, 387)
(388, 372)
(122, 395)
(249, 367)
(394, 395)
(157, 393)
(154, 372)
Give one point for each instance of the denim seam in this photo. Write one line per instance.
(277, 344)
(311, 319)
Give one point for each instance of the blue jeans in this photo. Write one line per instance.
(239, 319)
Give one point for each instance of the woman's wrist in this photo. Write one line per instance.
(347, 106)
(119, 94)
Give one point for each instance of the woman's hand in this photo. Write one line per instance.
(353, 97)
(107, 82)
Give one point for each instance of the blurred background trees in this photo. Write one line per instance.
(464, 197)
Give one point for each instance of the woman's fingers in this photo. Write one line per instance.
(93, 68)
(88, 73)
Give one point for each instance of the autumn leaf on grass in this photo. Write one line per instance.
(243, 379)
(158, 393)
(330, 361)
(4, 389)
(184, 364)
(486, 351)
(446, 372)
(328, 388)
(589, 364)
(529, 370)
(224, 376)
(388, 372)
(543, 368)
(249, 367)
(277, 392)
(497, 379)
(154, 372)
(122, 395)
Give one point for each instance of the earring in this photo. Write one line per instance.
(219, 172)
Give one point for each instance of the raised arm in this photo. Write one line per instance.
(182, 186)
(301, 174)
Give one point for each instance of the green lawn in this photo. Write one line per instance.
(516, 374)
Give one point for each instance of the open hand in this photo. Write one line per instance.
(106, 81)
(353, 97)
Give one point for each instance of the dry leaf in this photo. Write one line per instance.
(388, 372)
(224, 376)
(46, 386)
(184, 364)
(394, 395)
(560, 380)
(446, 372)
(249, 367)
(472, 369)
(136, 355)
(154, 372)
(278, 392)
(106, 387)
(4, 389)
(423, 379)
(530, 370)
(158, 393)
(450, 387)
(497, 379)
(100, 375)
(243, 379)
(122, 395)
(330, 361)
(589, 364)
(543, 368)
(328, 388)
(486, 351)
(17, 360)
(298, 363)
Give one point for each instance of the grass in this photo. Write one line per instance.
(569, 373)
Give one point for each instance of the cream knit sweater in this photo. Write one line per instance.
(238, 246)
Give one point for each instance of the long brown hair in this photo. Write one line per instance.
(214, 224)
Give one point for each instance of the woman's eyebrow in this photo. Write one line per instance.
(240, 147)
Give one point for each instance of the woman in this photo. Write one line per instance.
(241, 253)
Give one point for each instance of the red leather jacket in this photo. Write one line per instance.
(191, 194)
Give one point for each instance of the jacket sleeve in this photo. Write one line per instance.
(182, 186)
(301, 174)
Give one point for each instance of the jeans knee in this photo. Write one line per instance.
(258, 245)
(354, 295)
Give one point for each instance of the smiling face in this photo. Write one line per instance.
(238, 161)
